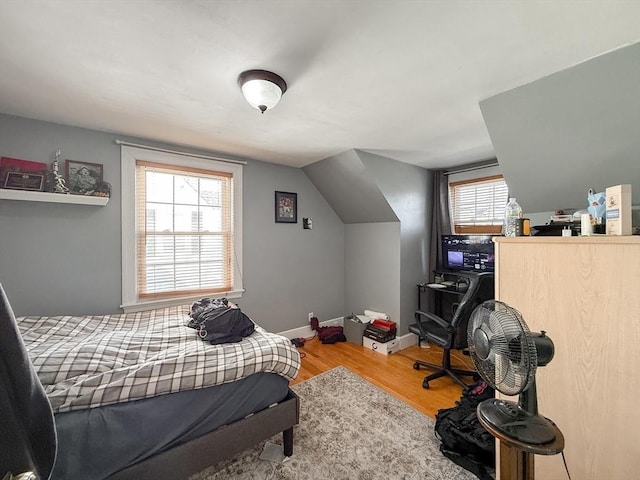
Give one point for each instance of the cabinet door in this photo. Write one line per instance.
(584, 293)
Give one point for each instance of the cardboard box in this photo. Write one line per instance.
(387, 348)
(353, 330)
(618, 208)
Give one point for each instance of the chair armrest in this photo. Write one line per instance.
(433, 317)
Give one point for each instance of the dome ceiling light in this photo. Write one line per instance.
(262, 89)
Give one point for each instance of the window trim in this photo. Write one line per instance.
(129, 156)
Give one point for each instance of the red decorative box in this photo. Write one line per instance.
(387, 325)
(18, 165)
(21, 174)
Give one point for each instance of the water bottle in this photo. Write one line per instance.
(512, 213)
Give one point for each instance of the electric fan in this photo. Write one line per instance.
(507, 354)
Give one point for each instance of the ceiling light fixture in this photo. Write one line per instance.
(262, 89)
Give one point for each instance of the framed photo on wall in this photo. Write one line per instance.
(83, 177)
(286, 207)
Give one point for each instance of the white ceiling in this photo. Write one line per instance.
(399, 78)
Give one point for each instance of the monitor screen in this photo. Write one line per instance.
(473, 253)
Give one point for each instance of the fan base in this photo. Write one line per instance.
(515, 423)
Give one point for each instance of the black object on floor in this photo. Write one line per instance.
(463, 438)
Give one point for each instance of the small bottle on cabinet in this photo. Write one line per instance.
(512, 213)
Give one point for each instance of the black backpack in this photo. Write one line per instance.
(216, 322)
(463, 439)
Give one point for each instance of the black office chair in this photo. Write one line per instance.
(452, 335)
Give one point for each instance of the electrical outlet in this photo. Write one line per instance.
(311, 315)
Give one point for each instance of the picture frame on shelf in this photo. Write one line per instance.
(83, 177)
(286, 206)
(24, 181)
(19, 174)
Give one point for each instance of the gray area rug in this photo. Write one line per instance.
(349, 429)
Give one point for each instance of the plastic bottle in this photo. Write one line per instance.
(512, 212)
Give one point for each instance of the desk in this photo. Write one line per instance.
(453, 286)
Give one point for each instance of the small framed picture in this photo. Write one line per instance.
(83, 177)
(286, 207)
(24, 181)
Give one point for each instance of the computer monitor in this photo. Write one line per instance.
(471, 253)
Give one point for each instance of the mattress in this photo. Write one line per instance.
(97, 442)
(92, 361)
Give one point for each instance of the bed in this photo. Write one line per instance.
(141, 396)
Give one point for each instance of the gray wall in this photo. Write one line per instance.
(289, 271)
(60, 259)
(576, 129)
(407, 188)
(385, 205)
(372, 268)
(349, 187)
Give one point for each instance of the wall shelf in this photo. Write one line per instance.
(24, 195)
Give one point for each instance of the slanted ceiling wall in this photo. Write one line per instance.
(576, 129)
(385, 205)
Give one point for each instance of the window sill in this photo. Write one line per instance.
(142, 306)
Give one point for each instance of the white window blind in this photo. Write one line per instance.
(477, 205)
(184, 231)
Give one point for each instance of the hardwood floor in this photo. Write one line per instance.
(393, 373)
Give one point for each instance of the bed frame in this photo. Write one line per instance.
(224, 442)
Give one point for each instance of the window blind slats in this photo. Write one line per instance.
(183, 230)
(478, 205)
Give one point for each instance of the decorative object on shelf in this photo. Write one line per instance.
(20, 174)
(83, 177)
(286, 207)
(58, 182)
(262, 89)
(103, 189)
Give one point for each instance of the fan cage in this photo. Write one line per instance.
(511, 362)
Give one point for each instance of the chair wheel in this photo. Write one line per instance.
(416, 366)
(425, 384)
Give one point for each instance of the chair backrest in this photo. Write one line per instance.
(480, 288)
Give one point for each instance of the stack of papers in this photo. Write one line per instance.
(369, 316)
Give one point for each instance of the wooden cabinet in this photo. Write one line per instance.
(585, 293)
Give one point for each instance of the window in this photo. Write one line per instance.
(477, 205)
(181, 229)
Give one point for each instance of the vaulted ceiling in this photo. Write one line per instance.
(402, 79)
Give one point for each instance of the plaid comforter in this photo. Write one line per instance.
(85, 362)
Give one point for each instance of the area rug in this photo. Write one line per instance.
(349, 429)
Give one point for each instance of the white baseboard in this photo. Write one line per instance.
(407, 340)
(305, 332)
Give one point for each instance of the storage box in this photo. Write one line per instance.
(353, 330)
(379, 334)
(387, 348)
(618, 204)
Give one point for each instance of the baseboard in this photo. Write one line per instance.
(305, 332)
(407, 340)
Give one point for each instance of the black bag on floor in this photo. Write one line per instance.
(463, 439)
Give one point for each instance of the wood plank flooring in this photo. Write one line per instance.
(393, 373)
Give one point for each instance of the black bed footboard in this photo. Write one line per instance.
(224, 442)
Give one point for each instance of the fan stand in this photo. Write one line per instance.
(517, 458)
(525, 435)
